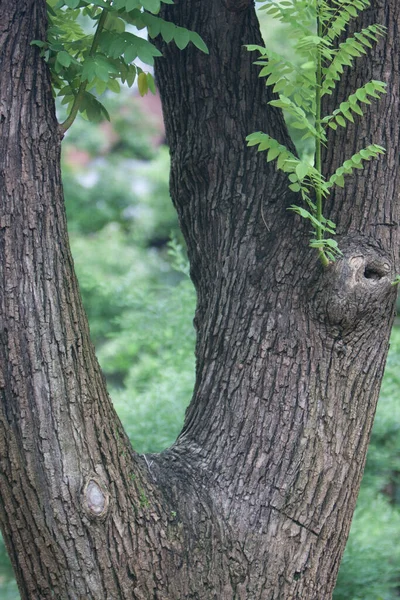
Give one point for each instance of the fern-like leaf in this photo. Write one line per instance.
(317, 24)
(355, 162)
(301, 121)
(276, 151)
(288, 79)
(299, 14)
(341, 115)
(341, 13)
(348, 50)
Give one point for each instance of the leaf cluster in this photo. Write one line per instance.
(84, 65)
(316, 25)
(303, 178)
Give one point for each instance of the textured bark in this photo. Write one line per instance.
(254, 500)
(289, 356)
(77, 513)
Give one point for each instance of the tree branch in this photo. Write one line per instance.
(63, 127)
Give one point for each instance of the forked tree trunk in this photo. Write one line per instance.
(254, 500)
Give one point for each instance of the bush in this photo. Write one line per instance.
(370, 569)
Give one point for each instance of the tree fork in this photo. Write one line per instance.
(255, 498)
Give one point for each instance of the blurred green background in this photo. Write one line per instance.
(132, 269)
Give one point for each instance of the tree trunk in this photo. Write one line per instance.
(289, 356)
(254, 500)
(79, 517)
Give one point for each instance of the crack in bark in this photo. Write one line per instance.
(295, 521)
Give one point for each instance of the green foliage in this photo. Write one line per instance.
(143, 331)
(114, 258)
(316, 25)
(355, 162)
(158, 360)
(112, 176)
(352, 48)
(346, 109)
(139, 300)
(84, 65)
(382, 471)
(396, 280)
(370, 564)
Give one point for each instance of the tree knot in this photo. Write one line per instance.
(95, 499)
(356, 288)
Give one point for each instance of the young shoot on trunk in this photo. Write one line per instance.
(316, 25)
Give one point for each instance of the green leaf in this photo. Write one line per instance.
(340, 181)
(396, 280)
(131, 5)
(198, 42)
(356, 109)
(152, 6)
(115, 23)
(340, 121)
(302, 170)
(272, 154)
(331, 243)
(254, 138)
(153, 24)
(254, 47)
(143, 85)
(147, 52)
(167, 31)
(101, 86)
(281, 160)
(181, 37)
(151, 83)
(64, 58)
(113, 85)
(89, 69)
(301, 211)
(93, 109)
(38, 43)
(131, 75)
(103, 67)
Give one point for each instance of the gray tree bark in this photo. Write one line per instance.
(255, 498)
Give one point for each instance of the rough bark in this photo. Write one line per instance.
(289, 356)
(78, 516)
(255, 498)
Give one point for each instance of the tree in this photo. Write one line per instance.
(255, 498)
